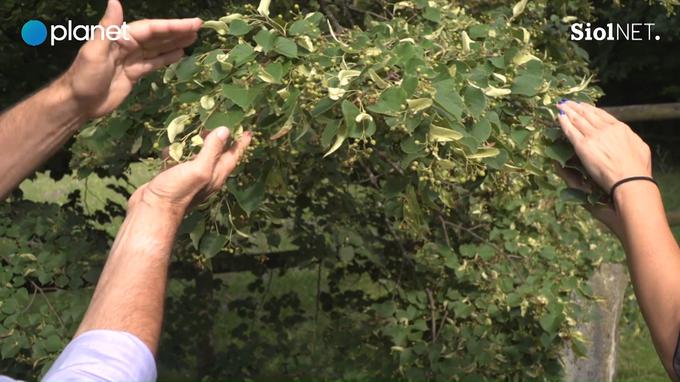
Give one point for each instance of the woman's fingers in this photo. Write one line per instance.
(588, 112)
(570, 131)
(576, 119)
(602, 114)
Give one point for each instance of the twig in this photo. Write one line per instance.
(49, 305)
(331, 17)
(433, 314)
(441, 326)
(368, 12)
(446, 233)
(388, 161)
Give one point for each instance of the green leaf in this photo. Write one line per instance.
(239, 28)
(551, 321)
(187, 69)
(475, 101)
(265, 39)
(286, 47)
(273, 73)
(527, 85)
(481, 130)
(432, 14)
(230, 119)
(448, 98)
(350, 113)
(390, 102)
(300, 27)
(559, 151)
(212, 243)
(242, 97)
(250, 198)
(241, 54)
(339, 139)
(574, 196)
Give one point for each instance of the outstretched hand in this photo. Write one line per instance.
(179, 187)
(609, 150)
(104, 72)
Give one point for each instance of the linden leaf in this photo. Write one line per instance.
(466, 41)
(339, 139)
(485, 153)
(336, 93)
(176, 151)
(207, 102)
(419, 104)
(263, 8)
(519, 8)
(285, 129)
(177, 126)
(496, 92)
(229, 18)
(442, 134)
(346, 76)
(218, 26)
(196, 141)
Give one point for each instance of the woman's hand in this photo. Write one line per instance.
(609, 150)
(604, 213)
(175, 189)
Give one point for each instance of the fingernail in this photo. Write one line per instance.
(222, 133)
(562, 112)
(564, 100)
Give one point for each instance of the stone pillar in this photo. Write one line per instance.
(600, 326)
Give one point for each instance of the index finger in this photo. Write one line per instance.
(144, 31)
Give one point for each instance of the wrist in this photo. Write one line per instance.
(634, 192)
(146, 202)
(61, 91)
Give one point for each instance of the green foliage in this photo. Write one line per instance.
(49, 254)
(405, 164)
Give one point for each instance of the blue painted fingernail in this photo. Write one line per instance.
(562, 112)
(564, 100)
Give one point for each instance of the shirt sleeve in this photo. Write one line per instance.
(104, 356)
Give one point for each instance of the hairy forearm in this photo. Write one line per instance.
(654, 261)
(130, 293)
(34, 130)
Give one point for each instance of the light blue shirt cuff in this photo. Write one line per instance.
(104, 356)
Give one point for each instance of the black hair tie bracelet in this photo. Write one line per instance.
(631, 179)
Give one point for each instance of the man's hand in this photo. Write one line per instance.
(105, 72)
(609, 150)
(174, 190)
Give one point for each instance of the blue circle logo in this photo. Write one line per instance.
(34, 32)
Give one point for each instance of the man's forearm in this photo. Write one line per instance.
(130, 293)
(34, 130)
(654, 261)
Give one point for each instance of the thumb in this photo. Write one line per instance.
(112, 16)
(213, 148)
